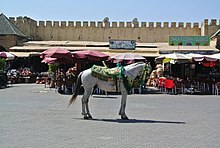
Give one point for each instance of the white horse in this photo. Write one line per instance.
(88, 82)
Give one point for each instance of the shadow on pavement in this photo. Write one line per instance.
(110, 97)
(134, 121)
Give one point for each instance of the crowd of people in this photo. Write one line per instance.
(62, 81)
(155, 75)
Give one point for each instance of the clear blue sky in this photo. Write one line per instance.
(116, 10)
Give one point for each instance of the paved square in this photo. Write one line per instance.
(32, 116)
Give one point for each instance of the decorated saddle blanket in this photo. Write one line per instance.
(106, 74)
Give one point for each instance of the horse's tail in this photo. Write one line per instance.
(77, 88)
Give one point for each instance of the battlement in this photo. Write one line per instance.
(213, 22)
(103, 31)
(22, 20)
(100, 24)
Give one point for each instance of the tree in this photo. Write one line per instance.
(2, 63)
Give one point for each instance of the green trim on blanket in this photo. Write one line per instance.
(105, 74)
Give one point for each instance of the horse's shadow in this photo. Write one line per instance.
(106, 97)
(136, 121)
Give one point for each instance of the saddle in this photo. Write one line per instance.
(106, 74)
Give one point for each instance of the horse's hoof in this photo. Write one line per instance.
(89, 117)
(86, 118)
(125, 118)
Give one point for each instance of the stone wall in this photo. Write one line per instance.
(11, 41)
(26, 25)
(210, 28)
(148, 32)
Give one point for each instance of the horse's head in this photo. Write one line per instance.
(133, 70)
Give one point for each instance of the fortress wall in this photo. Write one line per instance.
(11, 41)
(26, 25)
(99, 31)
(213, 26)
(209, 28)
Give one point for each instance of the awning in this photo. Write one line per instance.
(143, 49)
(144, 54)
(26, 54)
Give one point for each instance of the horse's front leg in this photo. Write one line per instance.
(123, 104)
(89, 116)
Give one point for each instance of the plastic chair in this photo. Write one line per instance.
(189, 86)
(169, 85)
(161, 84)
(217, 88)
(179, 86)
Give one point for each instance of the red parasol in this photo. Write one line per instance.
(7, 55)
(127, 58)
(57, 53)
(90, 55)
(50, 60)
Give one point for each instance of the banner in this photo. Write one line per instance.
(189, 40)
(122, 44)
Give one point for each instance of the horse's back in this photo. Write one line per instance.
(87, 79)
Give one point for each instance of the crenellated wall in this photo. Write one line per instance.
(99, 31)
(210, 28)
(148, 32)
(26, 25)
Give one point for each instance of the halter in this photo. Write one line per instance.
(145, 70)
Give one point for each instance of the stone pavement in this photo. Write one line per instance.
(32, 116)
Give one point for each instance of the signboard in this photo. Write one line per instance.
(122, 44)
(189, 40)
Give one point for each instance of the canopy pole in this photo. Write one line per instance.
(103, 62)
(170, 69)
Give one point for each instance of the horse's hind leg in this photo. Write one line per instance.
(85, 106)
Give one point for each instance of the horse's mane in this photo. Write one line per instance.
(133, 65)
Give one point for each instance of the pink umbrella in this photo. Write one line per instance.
(90, 55)
(127, 58)
(7, 55)
(58, 53)
(49, 60)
